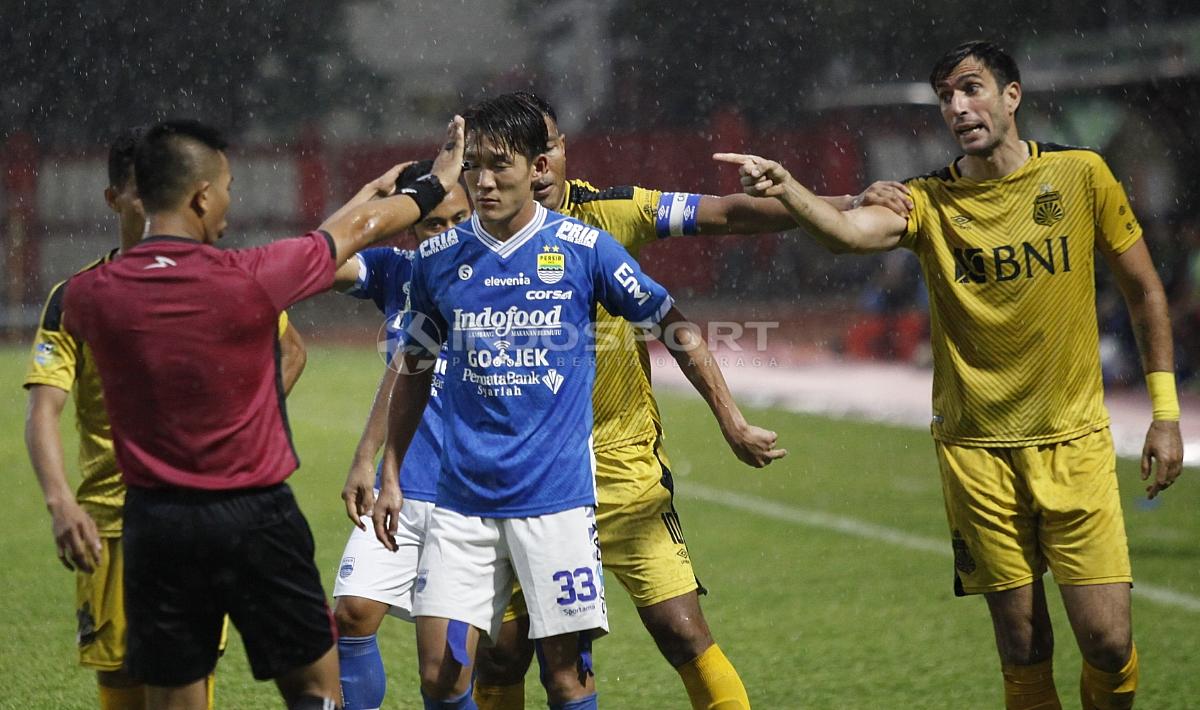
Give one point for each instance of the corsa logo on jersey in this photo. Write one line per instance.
(1006, 263)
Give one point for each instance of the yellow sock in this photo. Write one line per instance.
(712, 683)
(1030, 687)
(500, 697)
(132, 698)
(210, 689)
(1099, 690)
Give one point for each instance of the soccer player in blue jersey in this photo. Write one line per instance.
(513, 294)
(372, 582)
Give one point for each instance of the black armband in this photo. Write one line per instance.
(426, 191)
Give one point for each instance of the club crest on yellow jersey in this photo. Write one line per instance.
(1047, 207)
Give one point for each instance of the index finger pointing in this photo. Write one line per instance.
(736, 158)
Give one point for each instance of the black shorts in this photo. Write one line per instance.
(191, 557)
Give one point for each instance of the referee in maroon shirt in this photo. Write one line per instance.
(184, 338)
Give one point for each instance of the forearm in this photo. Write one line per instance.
(376, 429)
(821, 219)
(44, 443)
(1148, 314)
(410, 394)
(370, 222)
(683, 340)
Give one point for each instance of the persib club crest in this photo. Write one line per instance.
(551, 265)
(1047, 209)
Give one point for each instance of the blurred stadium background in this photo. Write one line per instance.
(321, 96)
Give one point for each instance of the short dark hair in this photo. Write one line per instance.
(991, 55)
(539, 103)
(512, 123)
(409, 175)
(120, 156)
(171, 157)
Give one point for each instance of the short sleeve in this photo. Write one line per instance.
(422, 329)
(290, 270)
(913, 228)
(1117, 228)
(55, 352)
(623, 288)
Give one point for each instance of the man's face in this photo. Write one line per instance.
(217, 204)
(550, 189)
(978, 112)
(453, 209)
(124, 201)
(500, 183)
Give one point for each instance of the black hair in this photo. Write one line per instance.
(991, 55)
(171, 157)
(120, 156)
(513, 124)
(539, 103)
(410, 174)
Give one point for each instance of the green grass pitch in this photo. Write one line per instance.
(812, 615)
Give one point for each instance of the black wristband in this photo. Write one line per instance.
(427, 192)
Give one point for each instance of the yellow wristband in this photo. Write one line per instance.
(1163, 399)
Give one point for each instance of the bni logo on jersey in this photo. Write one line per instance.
(551, 265)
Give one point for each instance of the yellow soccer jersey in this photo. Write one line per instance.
(1010, 268)
(624, 407)
(61, 361)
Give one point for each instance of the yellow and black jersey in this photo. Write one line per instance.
(1010, 268)
(624, 407)
(59, 360)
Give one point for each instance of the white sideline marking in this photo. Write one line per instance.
(870, 531)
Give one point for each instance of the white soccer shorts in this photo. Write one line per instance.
(369, 570)
(468, 564)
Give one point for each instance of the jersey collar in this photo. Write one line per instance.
(507, 248)
(1034, 151)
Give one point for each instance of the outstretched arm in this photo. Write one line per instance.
(743, 214)
(1134, 270)
(752, 445)
(75, 532)
(864, 229)
(364, 220)
(410, 394)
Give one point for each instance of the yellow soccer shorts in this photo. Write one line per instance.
(100, 611)
(1016, 512)
(641, 539)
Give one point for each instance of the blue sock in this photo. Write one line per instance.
(588, 703)
(466, 701)
(363, 680)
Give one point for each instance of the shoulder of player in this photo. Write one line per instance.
(582, 192)
(53, 309)
(564, 228)
(945, 174)
(1090, 157)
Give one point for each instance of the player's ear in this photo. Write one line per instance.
(1012, 97)
(541, 164)
(200, 198)
(110, 197)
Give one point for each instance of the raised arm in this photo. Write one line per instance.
(364, 220)
(864, 229)
(75, 532)
(410, 394)
(752, 445)
(1147, 303)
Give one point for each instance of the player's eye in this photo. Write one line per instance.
(468, 165)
